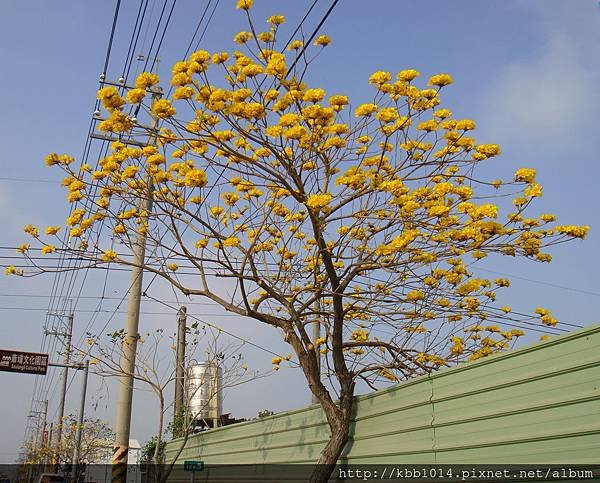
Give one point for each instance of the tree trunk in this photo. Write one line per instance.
(338, 419)
(157, 453)
(338, 414)
(330, 454)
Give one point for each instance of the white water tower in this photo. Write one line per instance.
(204, 384)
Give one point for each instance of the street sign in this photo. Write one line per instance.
(193, 465)
(23, 362)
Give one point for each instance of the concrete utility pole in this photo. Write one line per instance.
(50, 435)
(42, 435)
(129, 346)
(180, 367)
(77, 449)
(68, 335)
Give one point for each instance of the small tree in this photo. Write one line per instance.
(152, 452)
(293, 209)
(96, 436)
(155, 371)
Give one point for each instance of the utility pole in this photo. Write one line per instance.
(179, 369)
(77, 449)
(68, 336)
(129, 345)
(50, 434)
(45, 422)
(42, 432)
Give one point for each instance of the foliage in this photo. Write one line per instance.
(177, 427)
(96, 442)
(148, 451)
(265, 413)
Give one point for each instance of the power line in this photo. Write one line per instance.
(112, 34)
(207, 24)
(98, 297)
(47, 382)
(548, 284)
(28, 180)
(162, 12)
(220, 329)
(139, 20)
(305, 46)
(163, 35)
(92, 311)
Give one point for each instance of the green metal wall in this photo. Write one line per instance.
(537, 404)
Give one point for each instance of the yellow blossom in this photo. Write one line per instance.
(76, 232)
(52, 159)
(276, 65)
(276, 19)
(319, 201)
(408, 75)
(195, 178)
(442, 113)
(220, 57)
(242, 37)
(573, 230)
(32, 230)
(388, 114)
(415, 295)
(338, 101)
(183, 92)
(525, 174)
(232, 241)
(365, 110)
(313, 95)
(440, 80)
(244, 4)
(12, 270)
(380, 77)
(488, 150)
(533, 190)
(360, 335)
(145, 80)
(135, 96)
(163, 109)
(322, 40)
(465, 125)
(109, 255)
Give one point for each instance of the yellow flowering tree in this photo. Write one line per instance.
(96, 440)
(365, 219)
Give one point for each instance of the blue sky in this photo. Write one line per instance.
(526, 71)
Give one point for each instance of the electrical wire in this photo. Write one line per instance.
(112, 35)
(316, 30)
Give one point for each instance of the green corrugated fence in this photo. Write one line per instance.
(539, 404)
